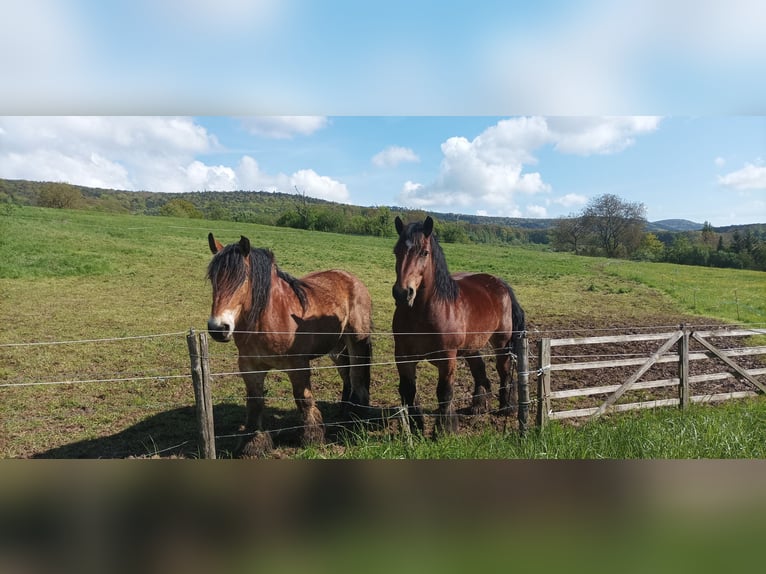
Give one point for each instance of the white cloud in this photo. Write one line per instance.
(585, 136)
(486, 171)
(490, 171)
(284, 127)
(305, 181)
(51, 165)
(749, 177)
(151, 153)
(719, 161)
(252, 178)
(393, 156)
(571, 200)
(311, 183)
(536, 211)
(137, 153)
(211, 177)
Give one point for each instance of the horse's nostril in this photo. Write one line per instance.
(219, 331)
(410, 292)
(398, 293)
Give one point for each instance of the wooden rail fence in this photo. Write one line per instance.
(198, 353)
(680, 339)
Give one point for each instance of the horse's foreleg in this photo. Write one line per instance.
(313, 430)
(254, 442)
(482, 392)
(447, 420)
(408, 390)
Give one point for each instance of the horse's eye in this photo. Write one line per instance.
(424, 253)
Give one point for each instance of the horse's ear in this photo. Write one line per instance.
(428, 226)
(215, 245)
(399, 225)
(244, 245)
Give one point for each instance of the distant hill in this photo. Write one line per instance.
(267, 207)
(673, 225)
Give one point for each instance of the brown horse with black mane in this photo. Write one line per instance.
(440, 316)
(280, 322)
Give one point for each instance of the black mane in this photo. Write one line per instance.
(445, 287)
(226, 272)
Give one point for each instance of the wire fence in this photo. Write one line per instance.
(181, 397)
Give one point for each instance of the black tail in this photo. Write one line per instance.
(518, 316)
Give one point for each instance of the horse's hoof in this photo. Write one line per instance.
(313, 436)
(259, 445)
(480, 405)
(445, 424)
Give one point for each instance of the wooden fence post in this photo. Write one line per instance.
(200, 371)
(543, 382)
(522, 354)
(683, 369)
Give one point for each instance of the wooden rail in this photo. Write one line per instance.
(678, 339)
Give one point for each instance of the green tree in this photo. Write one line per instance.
(708, 235)
(453, 233)
(569, 233)
(615, 225)
(328, 219)
(59, 195)
(651, 248)
(304, 211)
(216, 211)
(180, 208)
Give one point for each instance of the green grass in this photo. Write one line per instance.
(73, 275)
(719, 293)
(733, 430)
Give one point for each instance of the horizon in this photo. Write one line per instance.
(698, 169)
(447, 216)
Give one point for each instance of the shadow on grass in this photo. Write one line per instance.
(174, 433)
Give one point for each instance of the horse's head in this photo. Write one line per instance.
(412, 250)
(229, 274)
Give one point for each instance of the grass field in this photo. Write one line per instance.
(107, 299)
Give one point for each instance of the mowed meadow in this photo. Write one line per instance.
(94, 363)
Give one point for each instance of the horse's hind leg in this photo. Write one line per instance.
(360, 357)
(482, 392)
(504, 360)
(254, 443)
(342, 362)
(313, 430)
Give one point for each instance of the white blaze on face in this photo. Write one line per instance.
(224, 322)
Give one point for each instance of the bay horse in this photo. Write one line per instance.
(280, 322)
(440, 316)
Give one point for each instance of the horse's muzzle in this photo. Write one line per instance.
(402, 296)
(221, 332)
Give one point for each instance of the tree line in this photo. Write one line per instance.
(608, 226)
(611, 227)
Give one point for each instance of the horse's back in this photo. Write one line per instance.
(484, 295)
(340, 293)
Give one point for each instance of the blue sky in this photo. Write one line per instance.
(508, 108)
